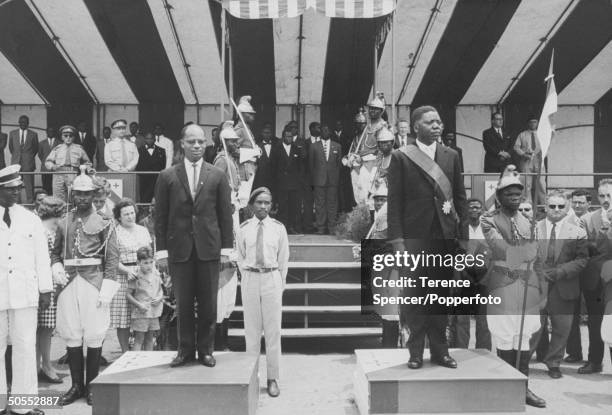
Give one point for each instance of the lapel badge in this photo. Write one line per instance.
(446, 207)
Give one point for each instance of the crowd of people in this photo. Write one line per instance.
(222, 209)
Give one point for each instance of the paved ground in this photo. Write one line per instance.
(319, 381)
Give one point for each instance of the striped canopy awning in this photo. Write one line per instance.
(274, 9)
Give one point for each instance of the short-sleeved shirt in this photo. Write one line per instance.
(145, 288)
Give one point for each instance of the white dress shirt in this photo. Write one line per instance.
(287, 149)
(268, 148)
(430, 150)
(558, 226)
(314, 139)
(167, 144)
(476, 233)
(193, 186)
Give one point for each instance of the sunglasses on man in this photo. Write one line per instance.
(553, 207)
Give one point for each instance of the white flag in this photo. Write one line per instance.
(546, 127)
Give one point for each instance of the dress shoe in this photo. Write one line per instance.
(532, 399)
(273, 389)
(572, 359)
(207, 360)
(555, 373)
(589, 368)
(415, 362)
(446, 361)
(43, 377)
(182, 359)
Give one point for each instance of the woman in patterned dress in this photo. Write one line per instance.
(130, 237)
(50, 211)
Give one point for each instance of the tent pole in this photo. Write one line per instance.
(223, 35)
(392, 119)
(375, 54)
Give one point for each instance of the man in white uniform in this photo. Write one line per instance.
(25, 280)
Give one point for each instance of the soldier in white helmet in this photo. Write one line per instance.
(244, 129)
(84, 260)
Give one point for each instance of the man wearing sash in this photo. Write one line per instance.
(426, 201)
(84, 262)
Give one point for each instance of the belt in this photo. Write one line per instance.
(504, 264)
(82, 262)
(261, 270)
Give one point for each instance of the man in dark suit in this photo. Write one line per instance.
(286, 164)
(403, 137)
(193, 222)
(426, 201)
(497, 145)
(23, 145)
(305, 202)
(100, 144)
(44, 148)
(450, 141)
(325, 159)
(136, 136)
(564, 247)
(346, 199)
(597, 225)
(150, 158)
(3, 142)
(264, 176)
(87, 139)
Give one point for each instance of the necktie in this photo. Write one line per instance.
(550, 254)
(195, 180)
(533, 141)
(124, 156)
(7, 217)
(326, 148)
(259, 249)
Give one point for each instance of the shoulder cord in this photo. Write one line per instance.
(77, 239)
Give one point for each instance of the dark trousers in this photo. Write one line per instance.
(288, 208)
(47, 183)
(326, 206)
(434, 327)
(552, 350)
(595, 308)
(307, 204)
(462, 332)
(574, 341)
(28, 185)
(346, 199)
(147, 187)
(199, 279)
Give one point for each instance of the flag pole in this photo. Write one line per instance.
(393, 68)
(538, 177)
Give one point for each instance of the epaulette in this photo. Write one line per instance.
(246, 222)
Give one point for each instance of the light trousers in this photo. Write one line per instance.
(20, 326)
(262, 299)
(79, 319)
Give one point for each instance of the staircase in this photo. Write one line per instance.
(323, 293)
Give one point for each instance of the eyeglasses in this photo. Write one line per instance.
(524, 209)
(553, 207)
(120, 127)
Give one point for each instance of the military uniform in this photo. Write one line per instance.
(263, 267)
(86, 245)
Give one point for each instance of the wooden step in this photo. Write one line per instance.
(320, 248)
(324, 265)
(321, 332)
(323, 286)
(314, 309)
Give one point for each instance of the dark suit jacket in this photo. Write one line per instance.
(3, 142)
(325, 172)
(288, 171)
(396, 143)
(89, 144)
(264, 175)
(151, 162)
(182, 223)
(599, 249)
(493, 144)
(413, 206)
(571, 256)
(44, 149)
(100, 163)
(26, 156)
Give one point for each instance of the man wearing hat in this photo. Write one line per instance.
(85, 258)
(425, 206)
(25, 282)
(263, 256)
(120, 154)
(513, 251)
(65, 158)
(352, 160)
(246, 139)
(528, 149)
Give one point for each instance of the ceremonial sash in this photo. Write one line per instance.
(443, 186)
